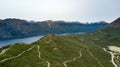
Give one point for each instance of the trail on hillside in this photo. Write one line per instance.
(10, 58)
(3, 51)
(112, 57)
(68, 61)
(39, 55)
(94, 57)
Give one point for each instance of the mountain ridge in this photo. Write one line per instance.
(13, 28)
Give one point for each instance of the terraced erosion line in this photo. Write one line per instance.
(48, 63)
(68, 61)
(94, 57)
(10, 58)
(112, 57)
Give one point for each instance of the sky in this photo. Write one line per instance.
(68, 10)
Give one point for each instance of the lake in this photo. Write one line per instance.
(27, 40)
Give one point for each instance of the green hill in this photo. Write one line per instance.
(74, 50)
(57, 51)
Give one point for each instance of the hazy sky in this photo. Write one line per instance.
(68, 10)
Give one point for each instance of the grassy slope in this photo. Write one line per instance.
(57, 49)
(88, 41)
(14, 50)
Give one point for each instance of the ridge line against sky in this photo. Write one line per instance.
(68, 10)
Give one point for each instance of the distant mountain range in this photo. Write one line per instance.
(12, 28)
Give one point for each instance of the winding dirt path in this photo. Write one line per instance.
(39, 55)
(94, 57)
(112, 57)
(3, 51)
(68, 61)
(10, 58)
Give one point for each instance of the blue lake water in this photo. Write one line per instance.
(27, 40)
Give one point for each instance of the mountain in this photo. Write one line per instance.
(106, 36)
(115, 24)
(95, 49)
(113, 28)
(13, 28)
